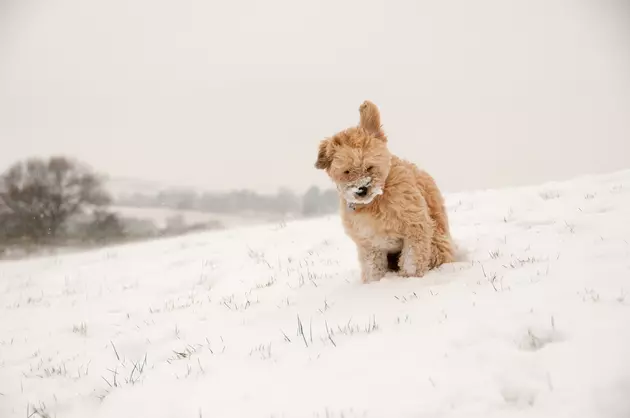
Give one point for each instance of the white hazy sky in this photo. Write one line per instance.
(224, 95)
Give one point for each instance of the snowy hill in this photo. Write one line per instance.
(271, 321)
(122, 186)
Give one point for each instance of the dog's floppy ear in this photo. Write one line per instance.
(324, 159)
(371, 119)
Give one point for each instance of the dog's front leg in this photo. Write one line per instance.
(415, 257)
(373, 264)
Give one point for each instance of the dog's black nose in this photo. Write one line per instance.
(362, 191)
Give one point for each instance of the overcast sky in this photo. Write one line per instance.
(222, 95)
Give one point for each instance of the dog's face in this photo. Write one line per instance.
(357, 159)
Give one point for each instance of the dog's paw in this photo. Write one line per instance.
(367, 278)
(409, 267)
(407, 274)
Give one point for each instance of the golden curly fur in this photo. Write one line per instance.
(393, 211)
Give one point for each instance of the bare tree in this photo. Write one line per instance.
(316, 202)
(286, 201)
(37, 197)
(105, 226)
(311, 201)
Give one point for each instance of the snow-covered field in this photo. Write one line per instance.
(271, 321)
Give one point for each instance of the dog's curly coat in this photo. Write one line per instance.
(392, 210)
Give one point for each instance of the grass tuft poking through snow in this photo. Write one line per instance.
(272, 321)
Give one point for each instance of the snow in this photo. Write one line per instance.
(272, 321)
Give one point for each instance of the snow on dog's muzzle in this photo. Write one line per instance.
(360, 191)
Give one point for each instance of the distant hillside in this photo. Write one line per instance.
(120, 187)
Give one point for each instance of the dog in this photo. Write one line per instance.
(393, 211)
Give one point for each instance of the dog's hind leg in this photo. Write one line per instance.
(442, 249)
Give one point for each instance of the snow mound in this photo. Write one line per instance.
(271, 321)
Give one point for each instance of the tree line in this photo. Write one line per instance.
(61, 200)
(39, 197)
(314, 202)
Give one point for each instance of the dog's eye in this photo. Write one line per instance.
(370, 168)
(346, 172)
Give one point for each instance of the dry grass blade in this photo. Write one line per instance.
(301, 330)
(329, 334)
(115, 351)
